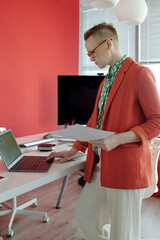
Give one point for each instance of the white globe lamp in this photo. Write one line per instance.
(131, 12)
(102, 3)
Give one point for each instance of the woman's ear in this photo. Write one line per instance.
(109, 44)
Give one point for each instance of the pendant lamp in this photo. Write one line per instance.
(131, 12)
(102, 3)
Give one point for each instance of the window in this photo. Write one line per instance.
(127, 36)
(141, 43)
(149, 35)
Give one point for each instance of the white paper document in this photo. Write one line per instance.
(82, 133)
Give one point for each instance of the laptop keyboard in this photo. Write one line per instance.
(27, 162)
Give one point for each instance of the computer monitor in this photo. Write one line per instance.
(76, 97)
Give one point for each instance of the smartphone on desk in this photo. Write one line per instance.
(46, 147)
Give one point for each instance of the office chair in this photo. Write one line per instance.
(155, 149)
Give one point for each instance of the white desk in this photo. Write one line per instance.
(20, 183)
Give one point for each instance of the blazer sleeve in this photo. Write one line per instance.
(149, 100)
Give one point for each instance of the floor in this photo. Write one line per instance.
(62, 225)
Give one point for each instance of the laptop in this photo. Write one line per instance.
(15, 161)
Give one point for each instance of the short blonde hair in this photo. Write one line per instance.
(102, 31)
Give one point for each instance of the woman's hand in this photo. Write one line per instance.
(106, 144)
(115, 140)
(63, 156)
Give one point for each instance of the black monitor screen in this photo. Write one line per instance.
(76, 98)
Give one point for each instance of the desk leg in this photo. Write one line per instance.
(65, 181)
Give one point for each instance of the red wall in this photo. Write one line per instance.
(39, 40)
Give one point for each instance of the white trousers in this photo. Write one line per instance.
(111, 214)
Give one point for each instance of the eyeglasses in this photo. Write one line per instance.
(91, 53)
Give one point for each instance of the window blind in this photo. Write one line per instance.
(149, 34)
(127, 37)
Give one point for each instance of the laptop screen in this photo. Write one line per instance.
(9, 148)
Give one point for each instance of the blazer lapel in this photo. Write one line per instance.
(117, 82)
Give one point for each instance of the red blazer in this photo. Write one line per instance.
(133, 104)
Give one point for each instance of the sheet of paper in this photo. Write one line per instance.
(65, 139)
(82, 133)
